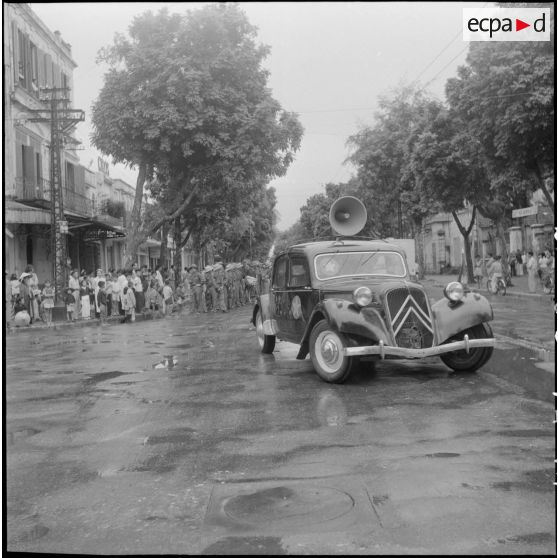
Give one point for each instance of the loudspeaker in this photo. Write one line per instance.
(347, 216)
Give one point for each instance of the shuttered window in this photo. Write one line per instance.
(70, 177)
(22, 75)
(48, 70)
(80, 180)
(15, 47)
(42, 77)
(34, 67)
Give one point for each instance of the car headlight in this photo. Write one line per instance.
(362, 296)
(454, 291)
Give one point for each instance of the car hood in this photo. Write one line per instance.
(376, 285)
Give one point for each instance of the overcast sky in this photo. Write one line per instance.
(329, 62)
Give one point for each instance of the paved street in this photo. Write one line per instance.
(227, 451)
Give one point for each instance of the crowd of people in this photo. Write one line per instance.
(125, 293)
(539, 269)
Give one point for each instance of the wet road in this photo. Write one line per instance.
(232, 452)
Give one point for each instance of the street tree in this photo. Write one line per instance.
(445, 163)
(381, 155)
(505, 96)
(186, 100)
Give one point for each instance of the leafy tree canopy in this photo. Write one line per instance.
(186, 97)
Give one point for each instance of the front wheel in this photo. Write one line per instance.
(326, 352)
(267, 342)
(461, 361)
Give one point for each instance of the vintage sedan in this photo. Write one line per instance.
(345, 299)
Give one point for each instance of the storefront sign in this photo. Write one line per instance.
(525, 211)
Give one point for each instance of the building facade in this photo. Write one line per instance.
(443, 244)
(36, 59)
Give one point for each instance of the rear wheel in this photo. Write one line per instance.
(267, 342)
(461, 361)
(326, 352)
(501, 287)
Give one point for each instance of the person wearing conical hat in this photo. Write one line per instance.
(220, 287)
(210, 288)
(229, 282)
(195, 279)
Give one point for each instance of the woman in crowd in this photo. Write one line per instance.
(532, 272)
(518, 263)
(84, 292)
(73, 284)
(26, 295)
(35, 293)
(116, 291)
(123, 282)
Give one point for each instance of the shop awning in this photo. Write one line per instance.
(17, 213)
(92, 229)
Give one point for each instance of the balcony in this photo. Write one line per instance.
(110, 212)
(37, 193)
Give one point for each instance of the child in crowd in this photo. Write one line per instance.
(14, 288)
(129, 303)
(102, 301)
(70, 302)
(48, 301)
(179, 296)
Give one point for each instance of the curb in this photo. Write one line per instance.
(11, 329)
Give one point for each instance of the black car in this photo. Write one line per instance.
(345, 299)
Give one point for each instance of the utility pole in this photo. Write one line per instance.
(62, 121)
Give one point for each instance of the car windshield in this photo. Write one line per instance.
(346, 264)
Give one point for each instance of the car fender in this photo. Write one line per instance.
(450, 318)
(348, 318)
(269, 324)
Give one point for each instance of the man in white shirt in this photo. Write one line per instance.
(138, 288)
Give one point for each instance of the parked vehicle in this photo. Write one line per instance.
(345, 299)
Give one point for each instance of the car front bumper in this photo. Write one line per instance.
(388, 350)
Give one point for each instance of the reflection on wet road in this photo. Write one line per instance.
(178, 436)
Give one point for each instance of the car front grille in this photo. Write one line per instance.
(410, 318)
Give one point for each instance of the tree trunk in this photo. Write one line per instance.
(181, 209)
(177, 249)
(501, 234)
(465, 232)
(134, 237)
(419, 242)
(163, 250)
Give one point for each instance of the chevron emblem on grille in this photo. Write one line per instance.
(408, 307)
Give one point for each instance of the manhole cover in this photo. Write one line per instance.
(285, 504)
(322, 504)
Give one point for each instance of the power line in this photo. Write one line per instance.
(456, 56)
(438, 56)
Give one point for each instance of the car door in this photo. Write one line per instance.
(300, 296)
(279, 301)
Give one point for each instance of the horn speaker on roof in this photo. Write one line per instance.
(347, 216)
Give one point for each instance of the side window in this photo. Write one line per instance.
(299, 276)
(280, 272)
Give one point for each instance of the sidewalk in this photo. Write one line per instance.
(519, 287)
